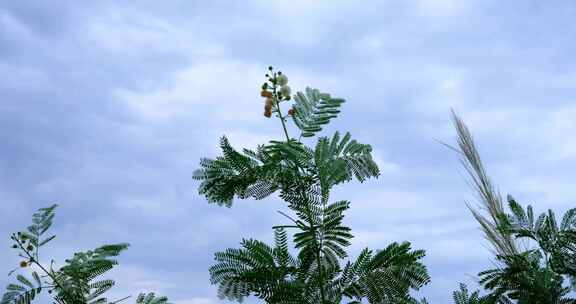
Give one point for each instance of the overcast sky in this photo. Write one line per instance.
(106, 108)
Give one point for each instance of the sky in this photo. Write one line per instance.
(106, 108)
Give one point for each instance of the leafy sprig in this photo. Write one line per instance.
(304, 176)
(71, 284)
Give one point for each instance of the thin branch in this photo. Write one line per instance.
(286, 215)
(448, 146)
(120, 300)
(284, 226)
(54, 280)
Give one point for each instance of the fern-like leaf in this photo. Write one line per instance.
(151, 298)
(314, 110)
(253, 270)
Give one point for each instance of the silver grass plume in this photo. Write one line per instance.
(491, 208)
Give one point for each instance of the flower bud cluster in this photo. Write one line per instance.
(20, 239)
(275, 90)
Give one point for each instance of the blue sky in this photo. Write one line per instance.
(106, 108)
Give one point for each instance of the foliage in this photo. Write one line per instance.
(303, 177)
(462, 296)
(280, 166)
(75, 278)
(535, 275)
(28, 242)
(525, 280)
(73, 282)
(151, 298)
(557, 243)
(314, 110)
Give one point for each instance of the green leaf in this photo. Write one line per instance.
(15, 287)
(24, 281)
(314, 110)
(37, 278)
(341, 159)
(150, 298)
(46, 240)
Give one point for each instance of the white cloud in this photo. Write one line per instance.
(216, 90)
(314, 19)
(121, 30)
(442, 8)
(459, 247)
(448, 91)
(240, 138)
(385, 166)
(133, 280)
(229, 88)
(527, 125)
(24, 78)
(195, 301)
(13, 27)
(293, 8)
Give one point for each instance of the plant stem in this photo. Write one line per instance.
(283, 123)
(33, 260)
(318, 252)
(120, 300)
(285, 226)
(323, 300)
(286, 215)
(278, 109)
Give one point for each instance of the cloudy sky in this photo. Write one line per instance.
(106, 108)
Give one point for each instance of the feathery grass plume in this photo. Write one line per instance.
(490, 199)
(535, 276)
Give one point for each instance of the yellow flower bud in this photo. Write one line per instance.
(265, 93)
